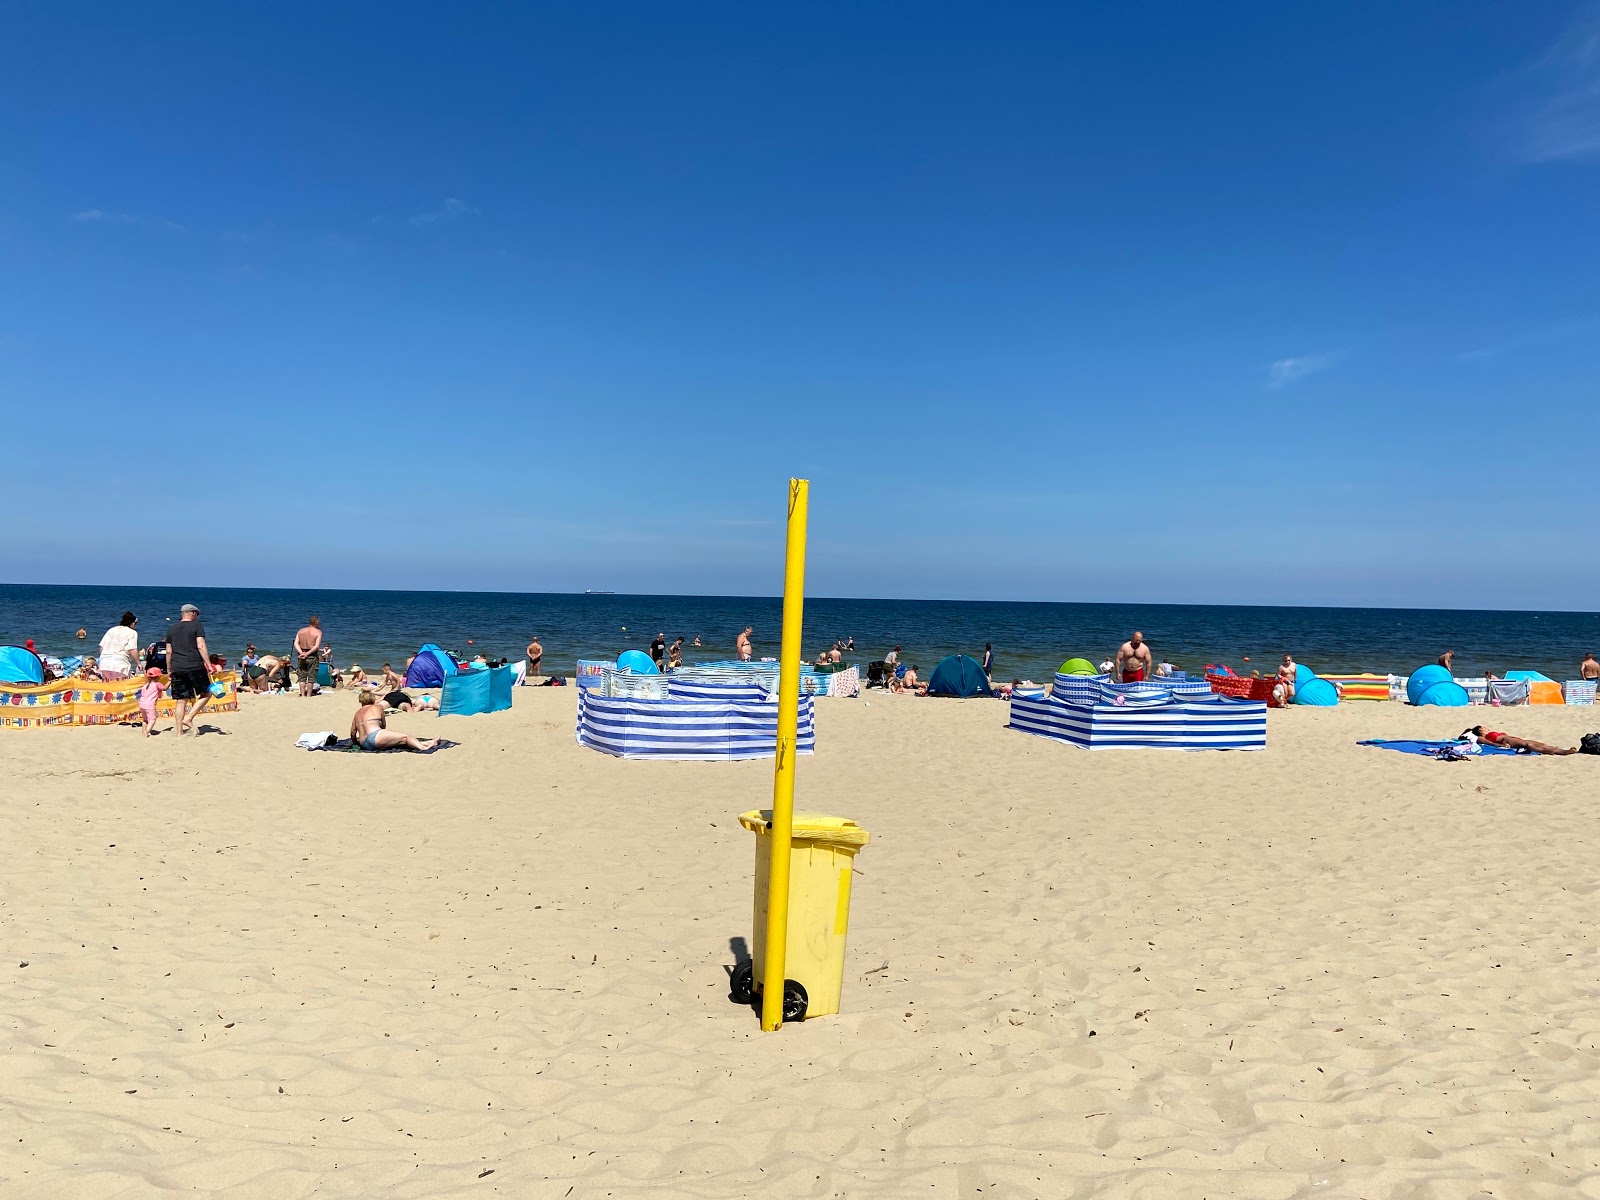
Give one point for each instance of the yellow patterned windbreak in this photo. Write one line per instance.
(80, 702)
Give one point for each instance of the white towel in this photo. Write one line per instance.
(316, 741)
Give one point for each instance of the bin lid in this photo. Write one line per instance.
(810, 827)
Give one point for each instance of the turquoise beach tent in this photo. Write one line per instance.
(18, 665)
(958, 675)
(1310, 689)
(637, 662)
(430, 667)
(1432, 685)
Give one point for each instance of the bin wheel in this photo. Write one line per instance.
(795, 1001)
(742, 983)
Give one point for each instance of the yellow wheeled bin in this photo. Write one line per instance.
(820, 866)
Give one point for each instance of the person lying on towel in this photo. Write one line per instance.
(1493, 737)
(367, 729)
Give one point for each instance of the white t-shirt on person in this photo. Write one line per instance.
(117, 649)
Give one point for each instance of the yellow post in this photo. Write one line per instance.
(794, 590)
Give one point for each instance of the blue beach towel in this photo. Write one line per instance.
(1432, 749)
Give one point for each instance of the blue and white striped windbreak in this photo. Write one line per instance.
(709, 731)
(1211, 723)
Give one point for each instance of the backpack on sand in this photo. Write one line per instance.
(1589, 744)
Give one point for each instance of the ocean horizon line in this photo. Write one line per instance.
(769, 597)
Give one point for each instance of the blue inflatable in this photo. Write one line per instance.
(637, 662)
(1432, 685)
(1309, 689)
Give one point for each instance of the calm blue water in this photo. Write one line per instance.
(1030, 640)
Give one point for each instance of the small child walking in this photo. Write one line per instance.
(148, 695)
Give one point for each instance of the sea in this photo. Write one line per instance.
(1030, 640)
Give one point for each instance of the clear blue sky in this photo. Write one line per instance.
(1266, 302)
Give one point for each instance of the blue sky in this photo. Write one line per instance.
(1240, 303)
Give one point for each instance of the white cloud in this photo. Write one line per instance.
(451, 210)
(1291, 370)
(1554, 113)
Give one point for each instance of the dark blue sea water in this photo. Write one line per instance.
(1030, 640)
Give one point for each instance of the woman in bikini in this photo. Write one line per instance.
(367, 729)
(1493, 737)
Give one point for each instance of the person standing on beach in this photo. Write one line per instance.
(307, 649)
(741, 645)
(1589, 669)
(535, 656)
(187, 667)
(1133, 659)
(119, 649)
(988, 661)
(1446, 659)
(658, 649)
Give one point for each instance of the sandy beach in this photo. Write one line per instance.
(237, 968)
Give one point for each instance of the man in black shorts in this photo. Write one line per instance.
(187, 659)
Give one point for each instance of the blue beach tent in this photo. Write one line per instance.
(476, 690)
(1432, 685)
(430, 668)
(18, 665)
(958, 675)
(1312, 690)
(637, 662)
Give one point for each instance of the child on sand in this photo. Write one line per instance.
(148, 695)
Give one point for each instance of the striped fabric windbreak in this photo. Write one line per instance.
(702, 731)
(614, 682)
(1579, 691)
(1215, 723)
(1360, 687)
(679, 688)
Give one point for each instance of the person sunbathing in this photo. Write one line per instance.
(1493, 737)
(367, 729)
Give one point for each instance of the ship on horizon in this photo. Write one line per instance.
(597, 592)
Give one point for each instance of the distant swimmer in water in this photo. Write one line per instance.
(1493, 737)
(1133, 659)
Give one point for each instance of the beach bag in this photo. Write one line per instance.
(1589, 744)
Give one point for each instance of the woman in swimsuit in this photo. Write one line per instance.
(367, 729)
(1493, 737)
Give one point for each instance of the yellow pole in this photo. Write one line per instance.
(794, 590)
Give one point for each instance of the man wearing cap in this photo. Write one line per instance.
(187, 659)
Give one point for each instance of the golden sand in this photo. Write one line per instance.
(1317, 970)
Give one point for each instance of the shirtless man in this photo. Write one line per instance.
(367, 729)
(1283, 689)
(741, 646)
(393, 681)
(1589, 669)
(307, 649)
(535, 656)
(1133, 659)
